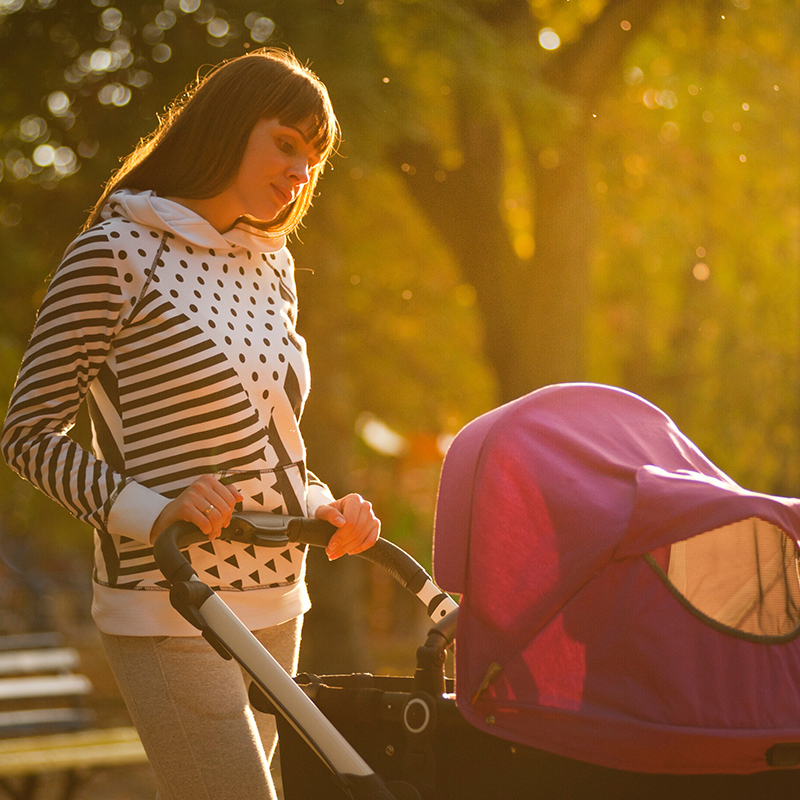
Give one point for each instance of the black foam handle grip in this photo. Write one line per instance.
(271, 530)
(173, 564)
(316, 532)
(399, 564)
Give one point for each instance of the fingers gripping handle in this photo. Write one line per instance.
(258, 528)
(276, 530)
(399, 564)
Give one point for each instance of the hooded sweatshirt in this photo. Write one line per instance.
(182, 341)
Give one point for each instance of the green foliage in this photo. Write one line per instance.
(696, 278)
(394, 326)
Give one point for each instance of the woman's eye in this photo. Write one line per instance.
(286, 145)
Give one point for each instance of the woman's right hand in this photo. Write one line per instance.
(207, 503)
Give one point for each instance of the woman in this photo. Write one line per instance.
(173, 316)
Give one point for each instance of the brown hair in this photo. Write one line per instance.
(199, 143)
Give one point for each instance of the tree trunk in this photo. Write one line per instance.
(533, 309)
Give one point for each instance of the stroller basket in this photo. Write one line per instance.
(437, 754)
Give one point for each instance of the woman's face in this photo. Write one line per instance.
(277, 163)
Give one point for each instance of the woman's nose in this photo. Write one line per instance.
(301, 170)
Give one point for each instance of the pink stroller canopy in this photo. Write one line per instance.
(624, 602)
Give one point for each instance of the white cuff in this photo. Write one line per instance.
(317, 495)
(134, 512)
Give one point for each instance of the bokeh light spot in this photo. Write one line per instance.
(549, 39)
(161, 53)
(701, 271)
(44, 155)
(58, 103)
(218, 28)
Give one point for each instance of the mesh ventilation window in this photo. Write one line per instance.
(743, 576)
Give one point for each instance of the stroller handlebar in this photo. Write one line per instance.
(277, 530)
(200, 605)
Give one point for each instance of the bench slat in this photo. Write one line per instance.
(42, 729)
(81, 750)
(44, 686)
(62, 659)
(36, 720)
(28, 641)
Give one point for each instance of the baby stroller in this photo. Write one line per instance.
(628, 624)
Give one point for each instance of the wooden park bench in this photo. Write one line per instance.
(45, 725)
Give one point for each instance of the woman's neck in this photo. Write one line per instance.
(215, 210)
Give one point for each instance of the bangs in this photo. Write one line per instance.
(306, 101)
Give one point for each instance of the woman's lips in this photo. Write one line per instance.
(284, 196)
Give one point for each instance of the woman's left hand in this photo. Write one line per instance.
(358, 526)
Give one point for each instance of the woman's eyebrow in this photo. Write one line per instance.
(302, 135)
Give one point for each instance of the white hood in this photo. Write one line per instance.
(147, 208)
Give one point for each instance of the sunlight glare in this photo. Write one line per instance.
(701, 271)
(44, 155)
(261, 27)
(114, 94)
(634, 76)
(218, 28)
(549, 39)
(161, 53)
(65, 161)
(31, 128)
(20, 167)
(379, 436)
(443, 442)
(165, 20)
(58, 103)
(111, 19)
(101, 60)
(670, 132)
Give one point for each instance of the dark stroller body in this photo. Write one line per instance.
(606, 642)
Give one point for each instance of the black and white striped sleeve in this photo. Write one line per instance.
(77, 321)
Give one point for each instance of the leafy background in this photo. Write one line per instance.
(528, 191)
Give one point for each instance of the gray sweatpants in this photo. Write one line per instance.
(191, 709)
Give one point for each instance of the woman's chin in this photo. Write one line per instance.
(256, 222)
